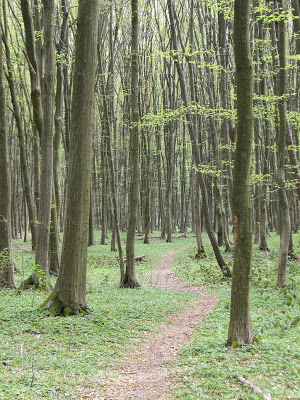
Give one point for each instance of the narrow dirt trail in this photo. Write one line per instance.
(147, 374)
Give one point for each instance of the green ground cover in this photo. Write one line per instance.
(209, 370)
(55, 358)
(51, 358)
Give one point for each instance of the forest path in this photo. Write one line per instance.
(146, 373)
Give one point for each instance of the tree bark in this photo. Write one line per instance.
(283, 207)
(69, 295)
(130, 279)
(44, 218)
(240, 327)
(6, 264)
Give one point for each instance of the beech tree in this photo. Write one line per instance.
(240, 327)
(69, 294)
(130, 279)
(6, 264)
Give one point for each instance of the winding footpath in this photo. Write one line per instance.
(147, 373)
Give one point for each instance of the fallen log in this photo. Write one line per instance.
(138, 258)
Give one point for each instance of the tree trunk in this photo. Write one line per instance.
(240, 327)
(283, 207)
(6, 264)
(44, 218)
(69, 295)
(130, 279)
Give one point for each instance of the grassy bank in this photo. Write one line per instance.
(209, 370)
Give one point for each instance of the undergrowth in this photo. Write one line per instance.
(207, 369)
(59, 358)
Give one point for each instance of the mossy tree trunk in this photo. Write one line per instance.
(69, 294)
(240, 327)
(130, 279)
(6, 265)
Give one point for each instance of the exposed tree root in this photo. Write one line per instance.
(130, 283)
(56, 307)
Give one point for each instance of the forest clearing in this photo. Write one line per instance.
(149, 199)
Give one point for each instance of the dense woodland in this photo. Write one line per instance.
(148, 116)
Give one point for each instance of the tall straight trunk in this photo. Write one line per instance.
(130, 279)
(240, 327)
(104, 202)
(283, 207)
(265, 163)
(224, 102)
(44, 217)
(195, 149)
(6, 264)
(69, 295)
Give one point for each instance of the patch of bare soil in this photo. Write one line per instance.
(146, 373)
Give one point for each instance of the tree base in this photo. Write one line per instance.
(130, 283)
(56, 307)
(264, 247)
(200, 255)
(36, 282)
(226, 271)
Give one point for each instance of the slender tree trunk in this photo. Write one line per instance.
(240, 327)
(6, 264)
(130, 279)
(283, 207)
(44, 218)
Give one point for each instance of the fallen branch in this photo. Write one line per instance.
(254, 389)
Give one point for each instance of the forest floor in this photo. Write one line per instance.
(146, 373)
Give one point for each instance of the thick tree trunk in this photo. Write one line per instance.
(240, 327)
(69, 295)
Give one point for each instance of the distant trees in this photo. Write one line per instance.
(165, 129)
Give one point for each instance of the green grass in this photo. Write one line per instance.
(54, 358)
(58, 358)
(208, 369)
